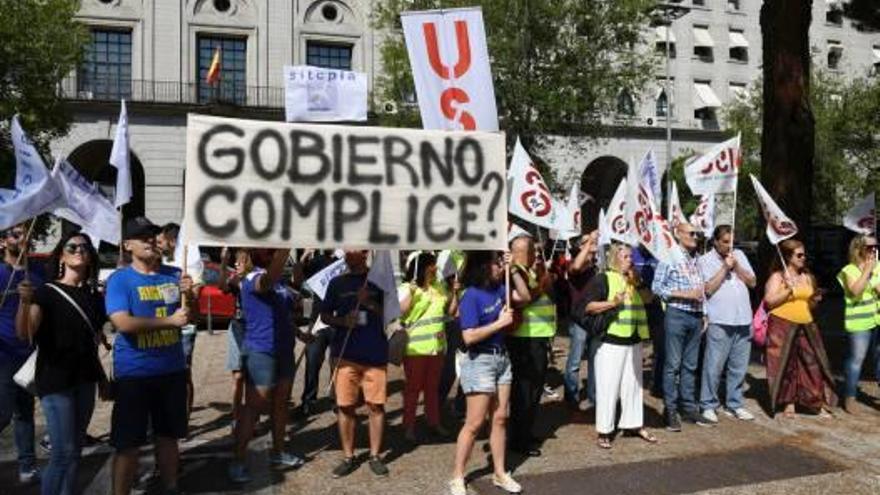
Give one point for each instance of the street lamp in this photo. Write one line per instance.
(663, 14)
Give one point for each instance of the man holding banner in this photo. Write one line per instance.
(680, 286)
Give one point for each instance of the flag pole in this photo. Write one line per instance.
(348, 330)
(784, 264)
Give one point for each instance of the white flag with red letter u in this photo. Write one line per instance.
(715, 172)
(779, 226)
(862, 217)
(530, 198)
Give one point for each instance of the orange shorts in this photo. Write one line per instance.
(351, 378)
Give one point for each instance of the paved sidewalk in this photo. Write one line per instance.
(804, 455)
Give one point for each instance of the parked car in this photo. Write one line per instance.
(216, 308)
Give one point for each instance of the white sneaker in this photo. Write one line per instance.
(27, 476)
(506, 483)
(743, 414)
(710, 417)
(457, 487)
(550, 393)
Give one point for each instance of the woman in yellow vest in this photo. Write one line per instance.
(618, 361)
(797, 366)
(425, 306)
(860, 280)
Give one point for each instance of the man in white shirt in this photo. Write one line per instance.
(728, 278)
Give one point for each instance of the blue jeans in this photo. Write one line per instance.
(682, 355)
(578, 344)
(730, 345)
(67, 417)
(859, 343)
(17, 404)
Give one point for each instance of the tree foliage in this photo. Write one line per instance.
(847, 144)
(558, 65)
(40, 44)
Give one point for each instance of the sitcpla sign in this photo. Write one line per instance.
(450, 63)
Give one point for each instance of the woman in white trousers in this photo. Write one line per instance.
(618, 360)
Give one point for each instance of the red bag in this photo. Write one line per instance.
(759, 325)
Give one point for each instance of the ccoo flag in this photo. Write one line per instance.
(530, 198)
(861, 217)
(675, 216)
(779, 226)
(716, 171)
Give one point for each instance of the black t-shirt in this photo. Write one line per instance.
(68, 349)
(597, 291)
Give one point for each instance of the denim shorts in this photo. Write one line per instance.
(234, 337)
(265, 370)
(482, 373)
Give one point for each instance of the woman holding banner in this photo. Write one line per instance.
(860, 280)
(425, 304)
(486, 373)
(231, 284)
(797, 366)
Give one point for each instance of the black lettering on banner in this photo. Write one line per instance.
(376, 235)
(300, 150)
(402, 159)
(413, 215)
(247, 208)
(337, 158)
(428, 220)
(493, 203)
(257, 158)
(227, 228)
(236, 152)
(461, 162)
(466, 216)
(341, 216)
(429, 156)
(356, 178)
(303, 210)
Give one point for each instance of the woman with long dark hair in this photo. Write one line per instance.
(64, 318)
(797, 366)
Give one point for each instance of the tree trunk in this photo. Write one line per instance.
(787, 141)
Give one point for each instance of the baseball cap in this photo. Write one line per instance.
(139, 227)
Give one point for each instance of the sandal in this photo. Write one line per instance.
(604, 442)
(644, 435)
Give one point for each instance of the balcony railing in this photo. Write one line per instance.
(173, 92)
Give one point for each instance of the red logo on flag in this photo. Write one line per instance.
(536, 201)
(452, 98)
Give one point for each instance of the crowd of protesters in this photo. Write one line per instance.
(486, 320)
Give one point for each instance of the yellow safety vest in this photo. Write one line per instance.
(425, 321)
(860, 314)
(632, 317)
(539, 317)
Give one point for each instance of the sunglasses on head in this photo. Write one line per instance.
(74, 247)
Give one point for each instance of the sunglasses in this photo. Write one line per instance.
(13, 234)
(871, 247)
(800, 255)
(74, 247)
(690, 233)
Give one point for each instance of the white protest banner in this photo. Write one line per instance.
(319, 282)
(703, 217)
(779, 226)
(189, 253)
(34, 192)
(862, 218)
(382, 275)
(450, 65)
(270, 184)
(316, 94)
(530, 197)
(715, 171)
(85, 204)
(675, 216)
(618, 227)
(648, 225)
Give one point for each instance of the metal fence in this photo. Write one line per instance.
(147, 91)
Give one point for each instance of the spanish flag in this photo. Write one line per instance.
(213, 74)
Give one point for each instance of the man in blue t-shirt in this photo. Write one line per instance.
(16, 402)
(144, 303)
(353, 306)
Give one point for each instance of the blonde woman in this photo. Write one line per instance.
(860, 280)
(619, 357)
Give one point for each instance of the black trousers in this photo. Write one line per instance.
(529, 360)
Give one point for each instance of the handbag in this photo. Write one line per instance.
(397, 343)
(595, 324)
(26, 376)
(759, 324)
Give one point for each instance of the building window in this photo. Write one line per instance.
(625, 104)
(660, 36)
(232, 85)
(662, 104)
(106, 69)
(700, 2)
(739, 46)
(834, 14)
(876, 50)
(222, 5)
(835, 54)
(733, 5)
(703, 44)
(705, 101)
(737, 92)
(328, 55)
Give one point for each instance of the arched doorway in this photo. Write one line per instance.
(599, 182)
(91, 160)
